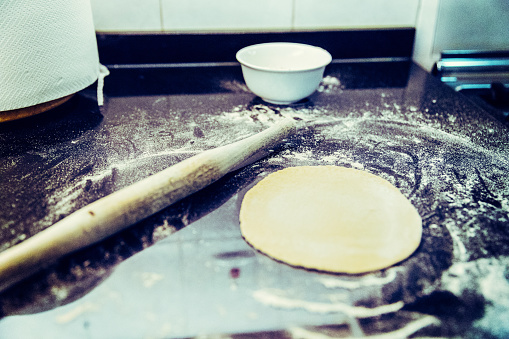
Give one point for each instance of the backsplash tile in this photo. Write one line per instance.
(436, 22)
(226, 15)
(126, 15)
(330, 14)
(249, 15)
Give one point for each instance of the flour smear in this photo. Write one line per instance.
(459, 187)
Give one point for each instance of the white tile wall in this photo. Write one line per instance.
(126, 15)
(250, 15)
(224, 15)
(440, 24)
(329, 14)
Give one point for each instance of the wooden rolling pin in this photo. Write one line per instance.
(131, 204)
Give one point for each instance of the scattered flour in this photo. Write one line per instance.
(418, 158)
(266, 115)
(364, 281)
(330, 84)
(149, 279)
(455, 184)
(76, 312)
(401, 333)
(234, 86)
(488, 277)
(278, 300)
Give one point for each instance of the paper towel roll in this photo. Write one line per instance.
(48, 51)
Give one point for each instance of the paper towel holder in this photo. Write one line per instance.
(25, 112)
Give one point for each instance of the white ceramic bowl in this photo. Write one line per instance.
(283, 72)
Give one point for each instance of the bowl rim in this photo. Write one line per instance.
(239, 53)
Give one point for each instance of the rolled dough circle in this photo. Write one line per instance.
(330, 218)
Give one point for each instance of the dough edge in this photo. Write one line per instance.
(356, 264)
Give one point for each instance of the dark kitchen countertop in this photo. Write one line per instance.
(186, 271)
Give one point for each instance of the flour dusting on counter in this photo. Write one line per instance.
(457, 185)
(278, 300)
(330, 84)
(487, 276)
(390, 119)
(401, 333)
(363, 281)
(265, 115)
